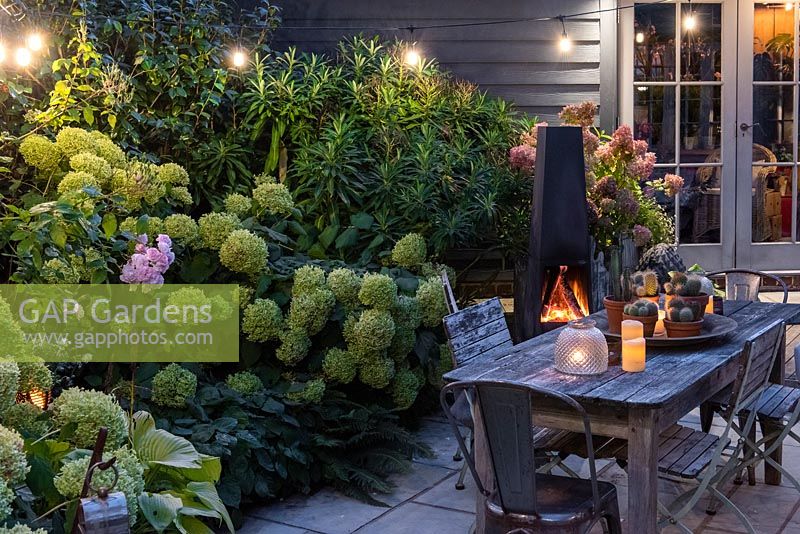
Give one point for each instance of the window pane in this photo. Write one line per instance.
(654, 42)
(700, 123)
(773, 42)
(769, 208)
(700, 43)
(654, 119)
(773, 121)
(700, 214)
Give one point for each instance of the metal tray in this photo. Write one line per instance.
(714, 326)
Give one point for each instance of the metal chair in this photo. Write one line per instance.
(523, 498)
(745, 284)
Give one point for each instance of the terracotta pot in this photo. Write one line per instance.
(682, 329)
(701, 300)
(648, 322)
(614, 310)
(667, 298)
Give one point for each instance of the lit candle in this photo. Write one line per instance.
(710, 305)
(632, 329)
(633, 355)
(578, 357)
(660, 330)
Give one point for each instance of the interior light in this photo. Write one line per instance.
(639, 37)
(689, 23)
(789, 6)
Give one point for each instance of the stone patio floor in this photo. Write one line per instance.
(425, 500)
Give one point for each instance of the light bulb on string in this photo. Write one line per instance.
(689, 22)
(239, 58)
(23, 56)
(639, 37)
(564, 44)
(411, 57)
(34, 42)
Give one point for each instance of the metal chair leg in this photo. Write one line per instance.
(460, 482)
(457, 456)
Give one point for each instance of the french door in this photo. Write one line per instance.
(713, 88)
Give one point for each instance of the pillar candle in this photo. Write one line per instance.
(633, 355)
(632, 329)
(660, 330)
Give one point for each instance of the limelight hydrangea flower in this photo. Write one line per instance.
(340, 365)
(265, 178)
(309, 311)
(215, 227)
(13, 465)
(24, 417)
(6, 498)
(377, 373)
(34, 375)
(108, 150)
(20, 528)
(410, 251)
(58, 271)
(308, 278)
(345, 285)
(181, 228)
(405, 388)
(402, 343)
(89, 410)
(244, 252)
(77, 181)
(294, 346)
(188, 296)
(433, 306)
(238, 204)
(41, 153)
(245, 296)
(173, 174)
(221, 309)
(147, 265)
(245, 383)
(173, 385)
(182, 195)
(371, 334)
(73, 141)
(91, 164)
(406, 312)
(378, 290)
(312, 393)
(275, 198)
(262, 320)
(152, 226)
(9, 384)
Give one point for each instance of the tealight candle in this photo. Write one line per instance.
(633, 355)
(660, 330)
(710, 305)
(632, 329)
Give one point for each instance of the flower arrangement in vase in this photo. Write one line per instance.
(684, 318)
(689, 287)
(645, 311)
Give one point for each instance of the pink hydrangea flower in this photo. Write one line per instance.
(522, 157)
(579, 114)
(673, 184)
(622, 140)
(147, 265)
(641, 235)
(642, 166)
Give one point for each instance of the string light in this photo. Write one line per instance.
(689, 22)
(23, 56)
(412, 57)
(239, 59)
(564, 44)
(34, 42)
(639, 37)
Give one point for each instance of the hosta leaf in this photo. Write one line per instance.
(159, 509)
(157, 446)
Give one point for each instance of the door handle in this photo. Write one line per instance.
(744, 127)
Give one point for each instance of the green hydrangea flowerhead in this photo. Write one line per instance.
(410, 251)
(181, 194)
(69, 480)
(345, 285)
(153, 225)
(339, 365)
(173, 385)
(371, 334)
(245, 382)
(89, 410)
(275, 198)
(7, 497)
(262, 320)
(139, 182)
(72, 141)
(402, 343)
(9, 384)
(265, 178)
(13, 465)
(34, 375)
(221, 308)
(58, 271)
(214, 228)
(378, 291)
(173, 174)
(312, 393)
(238, 204)
(308, 278)
(244, 252)
(91, 164)
(40, 153)
(181, 228)
(108, 150)
(294, 346)
(377, 373)
(309, 311)
(245, 296)
(434, 270)
(24, 417)
(432, 303)
(406, 312)
(405, 388)
(19, 528)
(187, 297)
(76, 181)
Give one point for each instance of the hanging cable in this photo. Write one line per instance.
(564, 44)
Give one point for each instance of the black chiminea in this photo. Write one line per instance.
(557, 285)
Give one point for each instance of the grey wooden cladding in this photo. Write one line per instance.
(479, 330)
(518, 61)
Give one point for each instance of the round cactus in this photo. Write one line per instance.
(641, 308)
(681, 311)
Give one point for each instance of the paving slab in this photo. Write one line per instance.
(421, 478)
(259, 526)
(439, 437)
(444, 495)
(420, 518)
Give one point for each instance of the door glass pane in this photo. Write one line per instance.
(773, 42)
(768, 206)
(701, 39)
(700, 123)
(700, 207)
(654, 42)
(773, 121)
(654, 119)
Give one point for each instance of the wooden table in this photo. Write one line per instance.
(633, 406)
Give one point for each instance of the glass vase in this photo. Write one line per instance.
(581, 349)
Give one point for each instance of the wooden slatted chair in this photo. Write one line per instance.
(713, 460)
(523, 499)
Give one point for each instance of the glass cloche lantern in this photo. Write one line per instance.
(581, 349)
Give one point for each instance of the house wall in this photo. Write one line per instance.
(517, 61)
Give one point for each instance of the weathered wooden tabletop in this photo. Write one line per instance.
(634, 406)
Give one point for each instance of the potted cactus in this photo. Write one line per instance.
(689, 288)
(684, 318)
(645, 311)
(645, 285)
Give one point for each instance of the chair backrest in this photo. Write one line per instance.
(744, 284)
(758, 359)
(479, 329)
(449, 296)
(507, 412)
